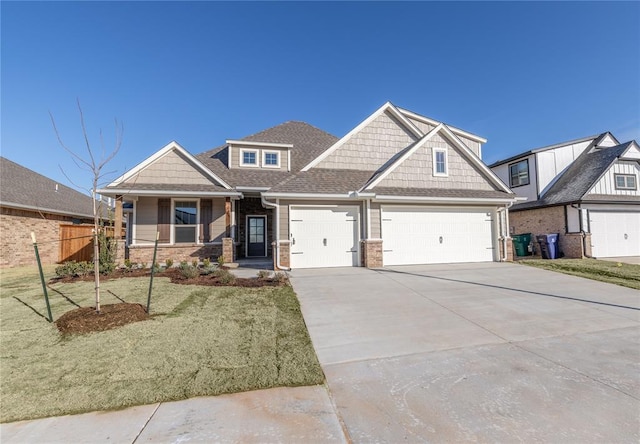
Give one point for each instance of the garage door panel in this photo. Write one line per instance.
(425, 236)
(614, 233)
(324, 237)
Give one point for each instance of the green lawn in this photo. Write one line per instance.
(200, 341)
(627, 275)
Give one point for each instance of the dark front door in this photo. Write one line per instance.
(256, 236)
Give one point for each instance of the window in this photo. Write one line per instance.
(625, 182)
(519, 173)
(440, 167)
(185, 222)
(271, 159)
(249, 158)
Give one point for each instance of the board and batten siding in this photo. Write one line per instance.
(553, 162)
(218, 224)
(607, 185)
(171, 168)
(285, 206)
(417, 170)
(146, 220)
(371, 147)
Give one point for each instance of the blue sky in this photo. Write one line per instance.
(520, 74)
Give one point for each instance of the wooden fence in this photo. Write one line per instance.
(76, 242)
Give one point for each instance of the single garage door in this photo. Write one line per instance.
(324, 236)
(614, 233)
(418, 235)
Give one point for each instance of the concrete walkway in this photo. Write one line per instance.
(476, 352)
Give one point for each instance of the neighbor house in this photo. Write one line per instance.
(399, 188)
(31, 202)
(586, 190)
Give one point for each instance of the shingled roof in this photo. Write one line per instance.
(574, 184)
(21, 187)
(308, 143)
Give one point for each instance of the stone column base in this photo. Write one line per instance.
(509, 252)
(372, 253)
(285, 255)
(227, 250)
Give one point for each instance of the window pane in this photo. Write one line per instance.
(519, 173)
(441, 162)
(249, 157)
(631, 182)
(185, 235)
(271, 159)
(185, 213)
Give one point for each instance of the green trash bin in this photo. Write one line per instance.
(521, 244)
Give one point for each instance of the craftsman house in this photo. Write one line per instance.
(399, 188)
(585, 189)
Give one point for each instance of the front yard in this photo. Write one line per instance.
(199, 341)
(627, 275)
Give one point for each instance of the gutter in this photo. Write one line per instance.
(266, 203)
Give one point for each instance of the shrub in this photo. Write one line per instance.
(73, 269)
(106, 252)
(209, 269)
(225, 276)
(220, 261)
(143, 265)
(195, 263)
(279, 277)
(189, 271)
(263, 274)
(206, 262)
(168, 263)
(156, 268)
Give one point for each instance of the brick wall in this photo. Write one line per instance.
(177, 253)
(16, 248)
(546, 221)
(285, 256)
(509, 253)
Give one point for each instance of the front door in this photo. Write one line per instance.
(256, 236)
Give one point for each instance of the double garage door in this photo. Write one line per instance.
(329, 236)
(416, 235)
(614, 233)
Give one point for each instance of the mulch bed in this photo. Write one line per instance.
(86, 320)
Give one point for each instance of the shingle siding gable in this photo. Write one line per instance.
(417, 170)
(371, 147)
(172, 168)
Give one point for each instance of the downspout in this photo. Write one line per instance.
(266, 203)
(581, 226)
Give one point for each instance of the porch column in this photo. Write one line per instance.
(227, 216)
(118, 217)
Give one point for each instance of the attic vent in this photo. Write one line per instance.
(56, 188)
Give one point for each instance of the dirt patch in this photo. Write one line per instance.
(86, 320)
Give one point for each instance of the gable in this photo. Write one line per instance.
(606, 184)
(607, 141)
(416, 171)
(370, 147)
(171, 168)
(633, 152)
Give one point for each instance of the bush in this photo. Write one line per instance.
(264, 274)
(206, 262)
(189, 271)
(279, 277)
(209, 269)
(106, 252)
(168, 263)
(225, 276)
(73, 269)
(195, 263)
(220, 261)
(156, 268)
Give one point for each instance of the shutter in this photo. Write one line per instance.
(164, 220)
(206, 212)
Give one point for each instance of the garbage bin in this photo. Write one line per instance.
(548, 245)
(521, 244)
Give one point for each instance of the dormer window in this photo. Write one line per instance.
(249, 157)
(271, 159)
(626, 182)
(519, 173)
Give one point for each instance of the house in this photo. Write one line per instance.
(399, 188)
(586, 190)
(30, 202)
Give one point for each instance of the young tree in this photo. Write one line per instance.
(95, 166)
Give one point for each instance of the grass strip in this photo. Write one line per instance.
(626, 275)
(200, 341)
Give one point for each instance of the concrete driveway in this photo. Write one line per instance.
(476, 352)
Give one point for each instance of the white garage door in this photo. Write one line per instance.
(614, 233)
(427, 236)
(324, 236)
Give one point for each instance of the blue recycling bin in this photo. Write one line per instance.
(548, 245)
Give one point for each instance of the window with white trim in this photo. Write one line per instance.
(440, 162)
(249, 157)
(185, 221)
(626, 181)
(519, 173)
(270, 159)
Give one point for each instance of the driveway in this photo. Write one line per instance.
(476, 352)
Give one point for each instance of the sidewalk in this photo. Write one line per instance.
(300, 414)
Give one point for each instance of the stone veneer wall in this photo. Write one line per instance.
(509, 243)
(547, 221)
(372, 253)
(16, 247)
(177, 253)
